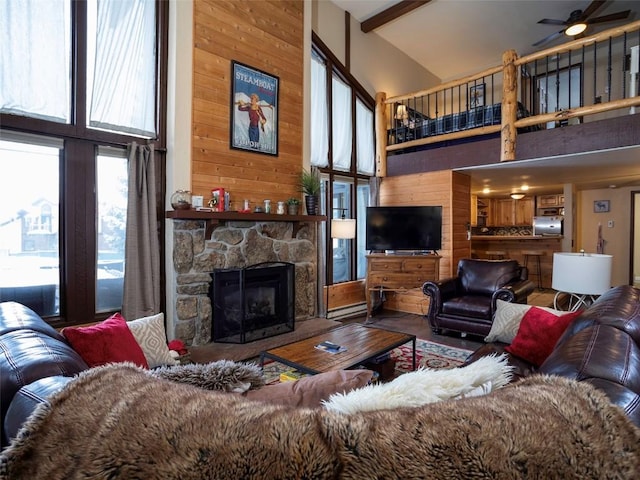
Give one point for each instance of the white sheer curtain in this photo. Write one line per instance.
(121, 66)
(141, 296)
(319, 124)
(364, 139)
(341, 131)
(35, 53)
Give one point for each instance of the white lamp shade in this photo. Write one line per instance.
(343, 228)
(582, 273)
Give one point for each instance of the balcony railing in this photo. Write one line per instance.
(592, 78)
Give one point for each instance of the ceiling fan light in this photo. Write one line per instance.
(517, 196)
(575, 29)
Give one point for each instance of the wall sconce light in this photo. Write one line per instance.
(584, 276)
(517, 196)
(343, 227)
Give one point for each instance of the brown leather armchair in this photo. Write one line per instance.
(466, 303)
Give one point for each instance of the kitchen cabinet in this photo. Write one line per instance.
(484, 211)
(474, 210)
(547, 200)
(524, 211)
(550, 201)
(550, 205)
(510, 212)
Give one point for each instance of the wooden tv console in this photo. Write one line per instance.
(392, 272)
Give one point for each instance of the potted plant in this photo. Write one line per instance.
(310, 186)
(292, 205)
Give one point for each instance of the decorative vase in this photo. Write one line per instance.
(292, 209)
(181, 200)
(311, 202)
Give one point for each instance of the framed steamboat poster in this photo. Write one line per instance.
(254, 110)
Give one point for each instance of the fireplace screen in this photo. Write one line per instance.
(253, 303)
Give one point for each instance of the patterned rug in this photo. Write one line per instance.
(428, 354)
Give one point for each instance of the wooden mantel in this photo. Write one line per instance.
(214, 218)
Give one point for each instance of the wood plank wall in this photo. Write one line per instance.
(266, 35)
(450, 189)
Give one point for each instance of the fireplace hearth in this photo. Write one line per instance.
(252, 303)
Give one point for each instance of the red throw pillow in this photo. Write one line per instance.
(538, 333)
(109, 341)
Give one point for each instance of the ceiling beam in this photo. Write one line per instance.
(390, 14)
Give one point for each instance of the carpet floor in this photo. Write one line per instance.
(428, 354)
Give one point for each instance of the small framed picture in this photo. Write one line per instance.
(476, 95)
(601, 206)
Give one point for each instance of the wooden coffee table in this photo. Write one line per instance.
(363, 344)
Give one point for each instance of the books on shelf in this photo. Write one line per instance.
(330, 347)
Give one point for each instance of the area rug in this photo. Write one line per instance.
(428, 354)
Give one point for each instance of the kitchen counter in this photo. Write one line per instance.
(516, 237)
(513, 245)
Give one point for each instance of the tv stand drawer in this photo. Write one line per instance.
(399, 272)
(386, 265)
(397, 280)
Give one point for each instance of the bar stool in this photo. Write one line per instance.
(536, 254)
(496, 254)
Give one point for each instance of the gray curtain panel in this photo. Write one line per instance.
(141, 296)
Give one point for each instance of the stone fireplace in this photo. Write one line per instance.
(235, 244)
(253, 302)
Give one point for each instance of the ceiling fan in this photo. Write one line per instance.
(578, 21)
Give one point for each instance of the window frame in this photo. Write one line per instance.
(335, 67)
(78, 249)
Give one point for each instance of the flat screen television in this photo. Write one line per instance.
(415, 228)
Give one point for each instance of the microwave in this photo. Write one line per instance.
(549, 212)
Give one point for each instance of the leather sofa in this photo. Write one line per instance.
(36, 362)
(601, 346)
(31, 350)
(467, 302)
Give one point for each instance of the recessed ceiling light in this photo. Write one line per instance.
(524, 188)
(486, 190)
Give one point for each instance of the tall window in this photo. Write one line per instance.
(342, 148)
(81, 79)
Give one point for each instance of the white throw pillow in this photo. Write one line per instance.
(150, 334)
(507, 318)
(423, 386)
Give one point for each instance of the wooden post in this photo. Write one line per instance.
(508, 131)
(381, 134)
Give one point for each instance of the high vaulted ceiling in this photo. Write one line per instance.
(454, 38)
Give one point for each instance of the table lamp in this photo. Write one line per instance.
(343, 227)
(584, 276)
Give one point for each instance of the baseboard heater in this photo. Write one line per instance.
(348, 311)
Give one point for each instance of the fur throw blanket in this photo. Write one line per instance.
(223, 375)
(118, 422)
(426, 385)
